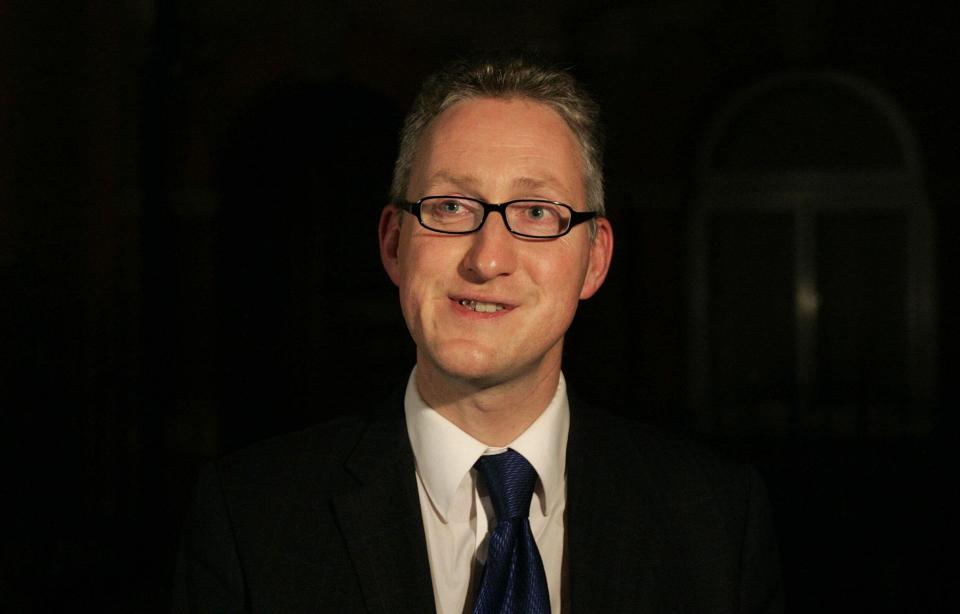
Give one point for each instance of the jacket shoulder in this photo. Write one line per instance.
(314, 456)
(678, 462)
(703, 516)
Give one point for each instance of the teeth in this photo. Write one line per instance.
(482, 307)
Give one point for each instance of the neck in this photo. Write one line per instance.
(493, 413)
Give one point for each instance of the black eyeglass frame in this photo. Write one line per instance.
(576, 217)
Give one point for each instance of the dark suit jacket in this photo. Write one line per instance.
(328, 520)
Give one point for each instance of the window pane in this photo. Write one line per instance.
(862, 321)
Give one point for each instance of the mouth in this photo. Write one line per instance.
(481, 306)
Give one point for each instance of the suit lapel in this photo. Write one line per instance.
(381, 523)
(614, 534)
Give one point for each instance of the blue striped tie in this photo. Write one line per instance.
(513, 579)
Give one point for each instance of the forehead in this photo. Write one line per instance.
(501, 145)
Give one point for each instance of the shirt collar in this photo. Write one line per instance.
(445, 454)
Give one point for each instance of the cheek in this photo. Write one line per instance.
(417, 277)
(561, 279)
(410, 292)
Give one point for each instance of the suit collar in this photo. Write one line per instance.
(381, 523)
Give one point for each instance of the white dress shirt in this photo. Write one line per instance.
(449, 501)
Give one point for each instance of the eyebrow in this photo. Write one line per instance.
(466, 181)
(471, 181)
(530, 183)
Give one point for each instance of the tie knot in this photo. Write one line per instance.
(510, 479)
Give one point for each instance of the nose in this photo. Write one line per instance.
(492, 251)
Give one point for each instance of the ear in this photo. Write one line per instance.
(601, 251)
(389, 234)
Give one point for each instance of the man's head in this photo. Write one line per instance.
(491, 307)
(506, 78)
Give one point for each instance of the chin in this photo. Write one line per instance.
(470, 363)
(467, 363)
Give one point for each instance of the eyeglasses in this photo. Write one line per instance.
(533, 218)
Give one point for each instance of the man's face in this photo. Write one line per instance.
(494, 150)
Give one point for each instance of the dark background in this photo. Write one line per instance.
(189, 195)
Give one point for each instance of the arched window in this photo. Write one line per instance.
(811, 287)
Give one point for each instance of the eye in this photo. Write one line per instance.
(449, 213)
(448, 207)
(540, 213)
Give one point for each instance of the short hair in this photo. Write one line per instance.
(507, 77)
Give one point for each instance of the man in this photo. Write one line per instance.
(486, 489)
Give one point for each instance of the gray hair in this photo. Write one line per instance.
(506, 78)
